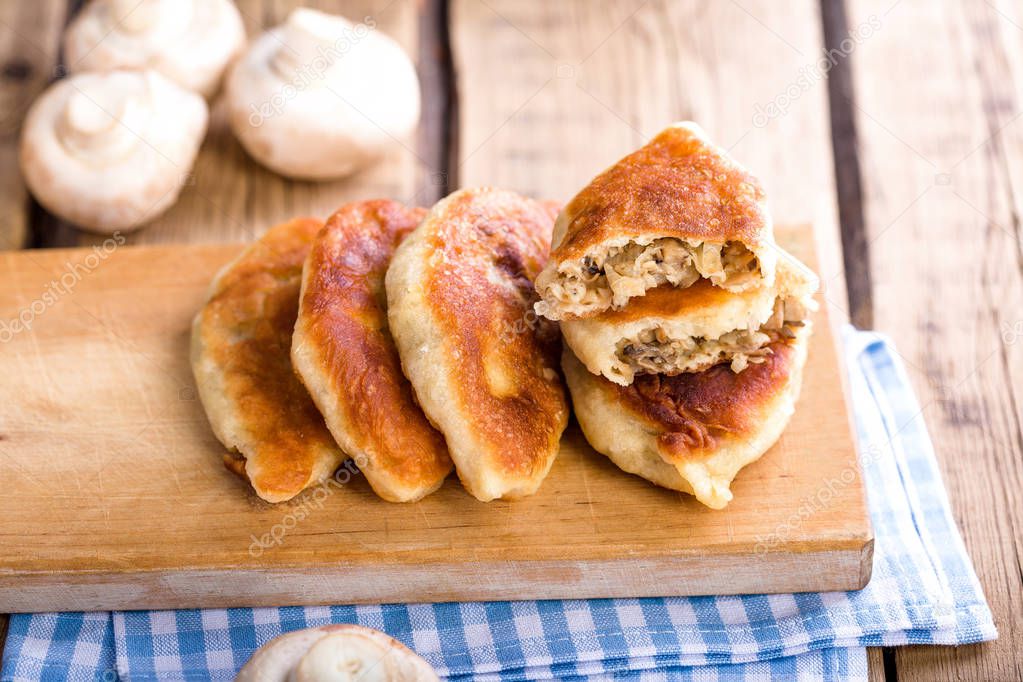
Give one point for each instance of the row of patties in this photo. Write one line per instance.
(399, 338)
(686, 326)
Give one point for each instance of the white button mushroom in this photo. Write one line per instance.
(318, 97)
(189, 41)
(339, 653)
(111, 151)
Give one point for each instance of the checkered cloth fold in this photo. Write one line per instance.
(923, 591)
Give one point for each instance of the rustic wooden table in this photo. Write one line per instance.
(892, 124)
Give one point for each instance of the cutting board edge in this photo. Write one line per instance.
(774, 572)
(853, 541)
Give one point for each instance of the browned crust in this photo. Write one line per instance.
(344, 309)
(488, 247)
(678, 185)
(693, 412)
(247, 325)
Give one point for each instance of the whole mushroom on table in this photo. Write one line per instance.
(111, 151)
(111, 147)
(319, 97)
(189, 41)
(336, 652)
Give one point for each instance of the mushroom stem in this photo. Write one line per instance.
(96, 123)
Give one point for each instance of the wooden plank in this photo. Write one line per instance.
(117, 497)
(230, 198)
(939, 145)
(29, 38)
(875, 664)
(582, 83)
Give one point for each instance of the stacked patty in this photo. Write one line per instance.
(685, 324)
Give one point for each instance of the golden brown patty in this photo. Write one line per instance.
(240, 356)
(676, 211)
(678, 185)
(344, 353)
(691, 432)
(483, 366)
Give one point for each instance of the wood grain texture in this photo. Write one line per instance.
(29, 38)
(939, 142)
(118, 499)
(875, 664)
(229, 197)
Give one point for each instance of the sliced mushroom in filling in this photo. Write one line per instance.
(601, 281)
(652, 351)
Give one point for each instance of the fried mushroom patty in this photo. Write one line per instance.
(676, 211)
(240, 357)
(484, 367)
(343, 351)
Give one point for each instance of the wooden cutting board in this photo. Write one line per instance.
(114, 495)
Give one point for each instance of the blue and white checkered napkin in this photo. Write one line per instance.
(923, 591)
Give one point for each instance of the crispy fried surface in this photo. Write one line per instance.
(240, 356)
(691, 432)
(696, 410)
(344, 352)
(678, 185)
(489, 247)
(482, 363)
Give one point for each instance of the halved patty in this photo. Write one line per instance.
(669, 331)
(240, 357)
(691, 432)
(343, 352)
(483, 365)
(672, 213)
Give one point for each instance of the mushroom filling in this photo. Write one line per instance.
(652, 351)
(601, 281)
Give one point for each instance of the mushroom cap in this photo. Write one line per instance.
(335, 652)
(111, 151)
(319, 97)
(189, 41)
